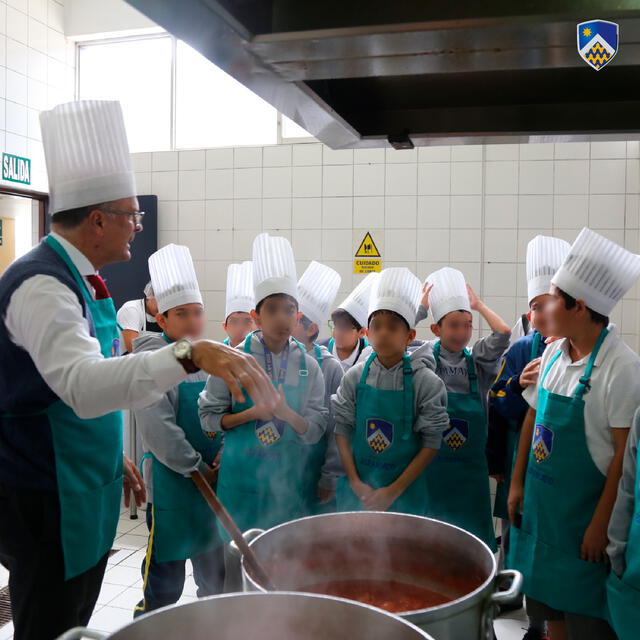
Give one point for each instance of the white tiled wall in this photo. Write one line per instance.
(473, 207)
(36, 72)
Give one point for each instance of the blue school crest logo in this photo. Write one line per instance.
(456, 434)
(269, 432)
(115, 348)
(379, 434)
(542, 444)
(597, 42)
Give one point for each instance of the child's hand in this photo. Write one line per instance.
(380, 499)
(530, 373)
(474, 302)
(426, 290)
(282, 410)
(325, 495)
(594, 543)
(262, 412)
(514, 501)
(362, 490)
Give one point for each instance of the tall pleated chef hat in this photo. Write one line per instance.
(397, 289)
(357, 302)
(274, 267)
(239, 288)
(597, 271)
(545, 254)
(173, 277)
(317, 289)
(87, 154)
(449, 292)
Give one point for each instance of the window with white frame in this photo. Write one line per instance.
(174, 98)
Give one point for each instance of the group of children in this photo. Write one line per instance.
(374, 419)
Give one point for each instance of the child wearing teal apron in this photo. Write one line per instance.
(623, 585)
(181, 524)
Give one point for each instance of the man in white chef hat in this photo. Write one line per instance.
(390, 410)
(183, 525)
(317, 290)
(263, 477)
(572, 442)
(239, 303)
(519, 369)
(61, 386)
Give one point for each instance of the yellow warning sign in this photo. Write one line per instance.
(367, 248)
(367, 258)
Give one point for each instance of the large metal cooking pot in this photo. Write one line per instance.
(369, 545)
(267, 616)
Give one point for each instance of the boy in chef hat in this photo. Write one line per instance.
(572, 442)
(458, 480)
(390, 411)
(349, 320)
(317, 289)
(519, 369)
(239, 303)
(182, 525)
(263, 479)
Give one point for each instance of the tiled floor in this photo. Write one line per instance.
(122, 585)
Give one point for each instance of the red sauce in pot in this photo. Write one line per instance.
(389, 595)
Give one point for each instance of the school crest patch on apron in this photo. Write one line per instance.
(542, 443)
(379, 434)
(269, 432)
(456, 434)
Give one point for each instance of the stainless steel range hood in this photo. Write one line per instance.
(360, 73)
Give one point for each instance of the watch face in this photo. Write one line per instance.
(182, 349)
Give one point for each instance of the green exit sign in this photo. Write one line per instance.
(16, 169)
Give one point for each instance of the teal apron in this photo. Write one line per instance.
(226, 341)
(384, 442)
(261, 479)
(317, 457)
(458, 478)
(624, 592)
(562, 488)
(88, 454)
(513, 436)
(183, 523)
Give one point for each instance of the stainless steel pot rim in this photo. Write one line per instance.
(278, 594)
(452, 604)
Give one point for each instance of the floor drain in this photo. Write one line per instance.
(5, 607)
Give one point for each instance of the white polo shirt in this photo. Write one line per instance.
(614, 395)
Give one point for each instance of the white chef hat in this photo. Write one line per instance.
(449, 292)
(239, 288)
(274, 267)
(397, 289)
(173, 277)
(598, 271)
(545, 254)
(317, 289)
(148, 290)
(87, 154)
(357, 302)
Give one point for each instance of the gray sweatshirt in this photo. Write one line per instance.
(486, 353)
(216, 401)
(623, 509)
(332, 372)
(429, 398)
(158, 428)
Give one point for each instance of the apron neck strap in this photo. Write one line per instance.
(247, 342)
(61, 251)
(551, 363)
(166, 338)
(330, 344)
(318, 353)
(535, 345)
(585, 381)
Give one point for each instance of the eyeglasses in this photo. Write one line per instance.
(341, 326)
(137, 215)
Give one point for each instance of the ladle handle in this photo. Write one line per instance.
(231, 528)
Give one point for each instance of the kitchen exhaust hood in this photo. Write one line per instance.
(367, 73)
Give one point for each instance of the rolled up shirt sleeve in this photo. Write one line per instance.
(130, 317)
(45, 318)
(431, 417)
(213, 404)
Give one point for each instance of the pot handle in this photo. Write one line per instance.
(249, 535)
(501, 597)
(77, 633)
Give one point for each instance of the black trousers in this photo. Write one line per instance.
(163, 582)
(43, 603)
